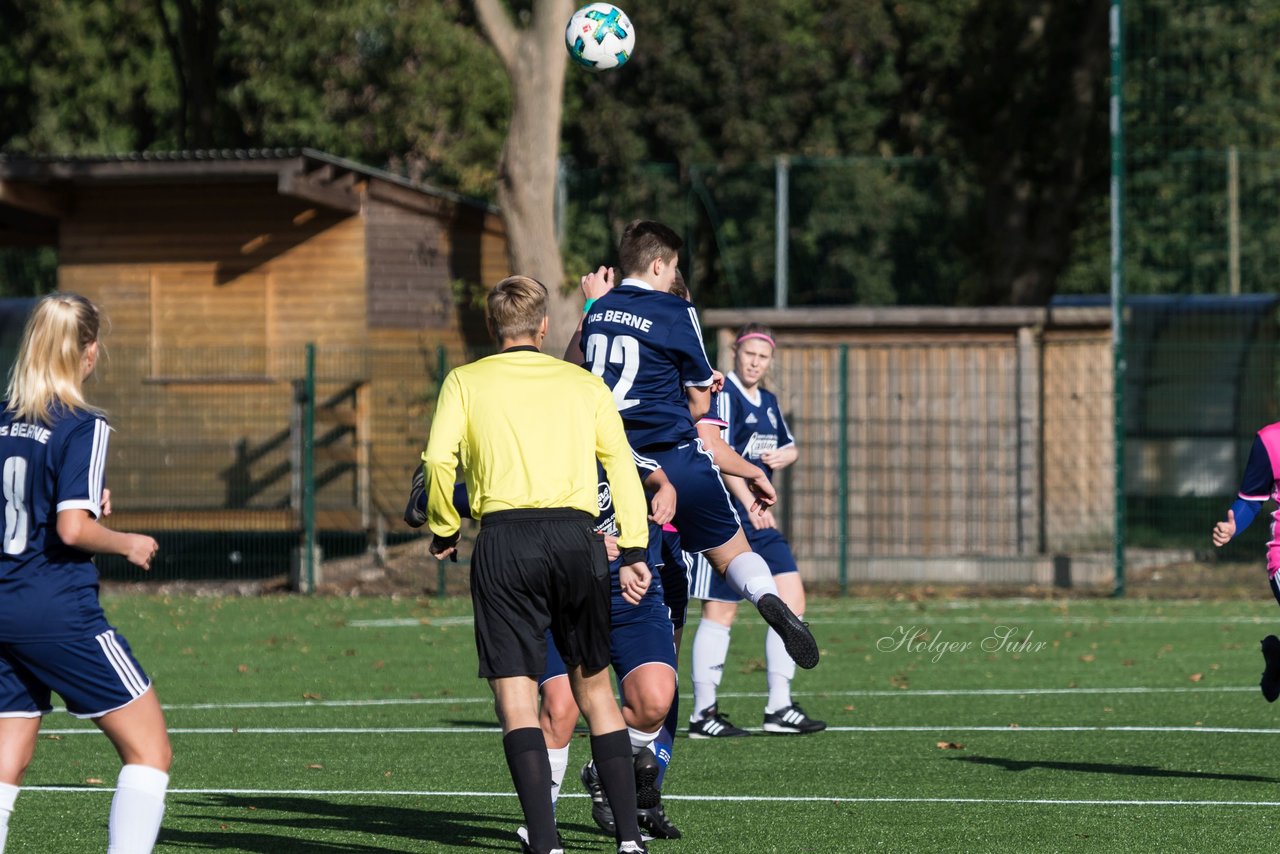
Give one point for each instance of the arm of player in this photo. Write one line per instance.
(755, 510)
(662, 498)
(699, 401)
(780, 458)
(614, 453)
(440, 464)
(594, 285)
(1255, 487)
(78, 529)
(731, 462)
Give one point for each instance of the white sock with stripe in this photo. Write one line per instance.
(710, 649)
(559, 757)
(8, 794)
(749, 576)
(640, 739)
(136, 809)
(780, 670)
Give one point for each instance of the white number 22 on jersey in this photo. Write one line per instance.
(625, 352)
(15, 505)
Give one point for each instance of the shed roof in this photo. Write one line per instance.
(34, 189)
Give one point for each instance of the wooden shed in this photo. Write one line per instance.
(216, 270)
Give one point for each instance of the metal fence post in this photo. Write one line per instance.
(442, 368)
(1117, 278)
(842, 466)
(309, 471)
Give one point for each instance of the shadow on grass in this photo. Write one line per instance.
(285, 825)
(1110, 768)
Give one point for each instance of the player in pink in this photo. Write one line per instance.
(1261, 481)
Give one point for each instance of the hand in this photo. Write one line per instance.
(780, 458)
(141, 551)
(444, 547)
(662, 505)
(106, 502)
(1224, 531)
(762, 519)
(634, 578)
(763, 490)
(717, 381)
(611, 547)
(597, 284)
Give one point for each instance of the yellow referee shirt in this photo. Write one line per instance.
(527, 429)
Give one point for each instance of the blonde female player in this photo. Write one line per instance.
(53, 633)
(751, 423)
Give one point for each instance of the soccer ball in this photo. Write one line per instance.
(600, 36)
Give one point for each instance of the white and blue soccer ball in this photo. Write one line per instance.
(600, 36)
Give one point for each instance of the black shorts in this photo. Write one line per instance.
(534, 570)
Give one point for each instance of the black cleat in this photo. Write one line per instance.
(601, 812)
(654, 823)
(713, 724)
(525, 848)
(647, 794)
(794, 632)
(1271, 676)
(792, 720)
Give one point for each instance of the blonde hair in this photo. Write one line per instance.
(517, 305)
(48, 369)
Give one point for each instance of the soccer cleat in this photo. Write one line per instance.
(1271, 676)
(601, 812)
(792, 720)
(713, 724)
(647, 770)
(794, 632)
(655, 824)
(632, 848)
(526, 848)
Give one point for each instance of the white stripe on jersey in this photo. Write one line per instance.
(724, 406)
(130, 678)
(98, 462)
(697, 330)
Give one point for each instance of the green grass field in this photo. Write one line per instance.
(317, 725)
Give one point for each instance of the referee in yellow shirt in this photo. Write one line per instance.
(527, 429)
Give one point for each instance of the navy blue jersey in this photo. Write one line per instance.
(750, 425)
(49, 590)
(647, 346)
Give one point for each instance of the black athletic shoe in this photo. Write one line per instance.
(794, 632)
(792, 720)
(601, 812)
(525, 848)
(1271, 676)
(654, 823)
(647, 794)
(713, 724)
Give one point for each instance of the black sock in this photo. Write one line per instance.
(526, 751)
(612, 753)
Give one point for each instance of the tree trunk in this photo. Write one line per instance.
(535, 60)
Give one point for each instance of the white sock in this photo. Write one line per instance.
(559, 757)
(8, 794)
(136, 809)
(640, 739)
(710, 649)
(780, 670)
(750, 578)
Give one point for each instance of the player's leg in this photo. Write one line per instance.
(781, 713)
(525, 748)
(1270, 683)
(610, 746)
(710, 650)
(557, 714)
(17, 748)
(141, 739)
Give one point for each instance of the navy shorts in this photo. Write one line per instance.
(706, 583)
(93, 675)
(675, 577)
(704, 511)
(641, 634)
